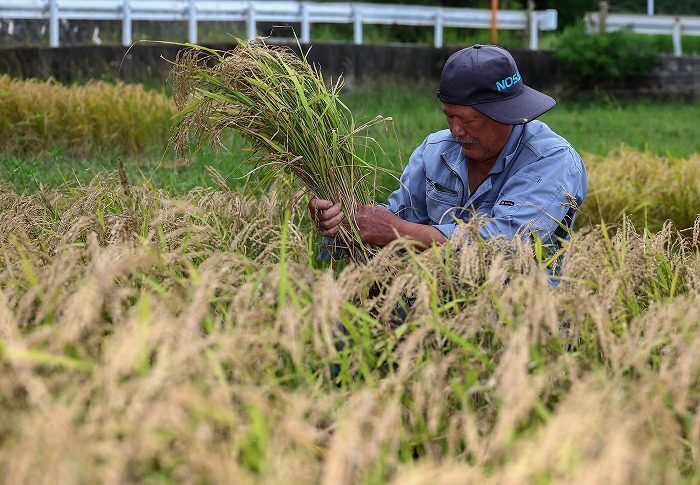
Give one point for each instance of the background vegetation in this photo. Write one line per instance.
(615, 59)
(94, 119)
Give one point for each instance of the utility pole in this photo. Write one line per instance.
(494, 22)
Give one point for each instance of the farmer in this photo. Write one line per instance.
(493, 161)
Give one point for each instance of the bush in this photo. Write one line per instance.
(604, 60)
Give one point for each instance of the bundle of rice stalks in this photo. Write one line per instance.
(281, 105)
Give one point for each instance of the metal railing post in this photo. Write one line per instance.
(53, 24)
(650, 7)
(192, 22)
(494, 22)
(357, 26)
(602, 16)
(534, 27)
(438, 29)
(677, 48)
(251, 25)
(305, 24)
(126, 23)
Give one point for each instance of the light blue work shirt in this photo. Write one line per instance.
(535, 186)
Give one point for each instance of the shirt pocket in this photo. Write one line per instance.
(441, 201)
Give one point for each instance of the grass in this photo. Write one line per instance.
(175, 174)
(657, 127)
(598, 126)
(147, 337)
(690, 44)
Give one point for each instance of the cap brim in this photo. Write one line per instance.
(520, 109)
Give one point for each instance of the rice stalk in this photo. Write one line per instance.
(283, 108)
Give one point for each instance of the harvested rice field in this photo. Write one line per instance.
(164, 321)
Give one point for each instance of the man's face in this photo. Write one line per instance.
(481, 137)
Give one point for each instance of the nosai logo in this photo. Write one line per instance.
(508, 82)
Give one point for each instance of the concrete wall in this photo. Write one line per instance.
(356, 63)
(68, 64)
(674, 76)
(678, 76)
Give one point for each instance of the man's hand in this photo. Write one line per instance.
(326, 215)
(377, 225)
(380, 226)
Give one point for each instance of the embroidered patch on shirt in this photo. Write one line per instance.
(508, 203)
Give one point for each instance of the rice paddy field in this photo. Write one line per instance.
(164, 320)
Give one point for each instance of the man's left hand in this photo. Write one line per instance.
(377, 225)
(380, 226)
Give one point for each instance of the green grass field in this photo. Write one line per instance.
(665, 128)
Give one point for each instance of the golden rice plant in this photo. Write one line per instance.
(648, 188)
(38, 117)
(282, 106)
(146, 337)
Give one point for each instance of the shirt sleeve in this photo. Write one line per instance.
(536, 198)
(447, 229)
(408, 201)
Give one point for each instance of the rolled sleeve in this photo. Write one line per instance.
(408, 201)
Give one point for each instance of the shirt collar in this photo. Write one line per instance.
(509, 149)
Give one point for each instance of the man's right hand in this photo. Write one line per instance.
(326, 215)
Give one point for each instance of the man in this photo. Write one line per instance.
(494, 161)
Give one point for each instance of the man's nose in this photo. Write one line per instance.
(457, 129)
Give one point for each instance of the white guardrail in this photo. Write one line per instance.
(647, 24)
(251, 12)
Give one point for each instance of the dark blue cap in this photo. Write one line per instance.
(486, 78)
